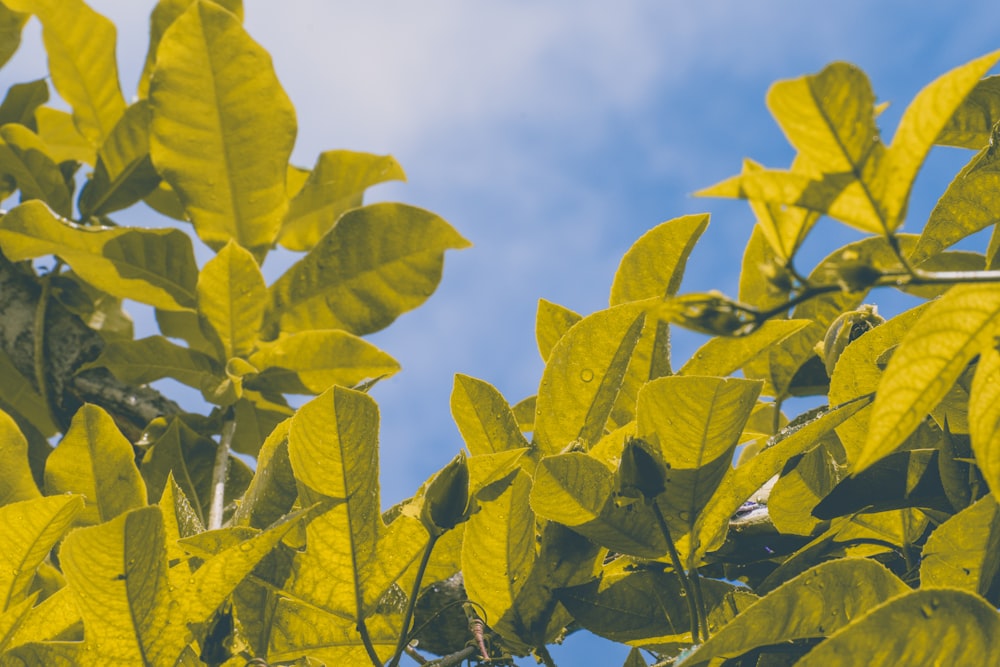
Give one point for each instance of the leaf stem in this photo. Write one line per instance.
(411, 604)
(366, 639)
(543, 654)
(219, 472)
(675, 560)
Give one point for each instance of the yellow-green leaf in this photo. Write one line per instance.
(154, 266)
(336, 184)
(484, 469)
(94, 459)
(31, 528)
(150, 359)
(571, 488)
(272, 490)
(50, 618)
(484, 418)
(922, 122)
(552, 321)
(22, 99)
(723, 355)
(654, 265)
(300, 629)
(584, 374)
(64, 141)
(972, 123)
(232, 297)
(812, 605)
(24, 157)
(222, 128)
(926, 364)
(16, 483)
(11, 23)
(963, 551)
(925, 627)
(313, 361)
(179, 520)
(80, 44)
(984, 417)
(378, 262)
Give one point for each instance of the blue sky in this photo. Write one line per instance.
(552, 135)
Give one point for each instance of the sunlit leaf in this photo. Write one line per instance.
(972, 123)
(64, 141)
(928, 627)
(95, 460)
(179, 520)
(24, 157)
(723, 355)
(232, 297)
(22, 99)
(150, 359)
(301, 629)
(49, 619)
(654, 265)
(154, 266)
(16, 483)
(80, 44)
(11, 23)
(984, 417)
(484, 418)
(336, 184)
(552, 321)
(963, 551)
(926, 364)
(571, 488)
(272, 492)
(378, 262)
(31, 528)
(222, 128)
(124, 173)
(583, 376)
(313, 361)
(814, 604)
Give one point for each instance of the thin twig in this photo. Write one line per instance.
(219, 472)
(412, 602)
(681, 574)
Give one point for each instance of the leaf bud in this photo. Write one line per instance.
(446, 500)
(710, 313)
(847, 328)
(641, 473)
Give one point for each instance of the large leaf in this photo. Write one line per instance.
(94, 459)
(964, 551)
(926, 364)
(16, 483)
(483, 417)
(583, 376)
(124, 172)
(378, 262)
(31, 528)
(984, 417)
(332, 446)
(222, 128)
(926, 627)
(654, 265)
(11, 23)
(336, 184)
(313, 361)
(24, 157)
(154, 266)
(81, 47)
(972, 123)
(812, 605)
(571, 488)
(232, 297)
(149, 359)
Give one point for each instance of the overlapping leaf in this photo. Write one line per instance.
(150, 359)
(654, 265)
(483, 417)
(16, 483)
(552, 321)
(964, 551)
(11, 23)
(972, 123)
(984, 417)
(24, 157)
(232, 297)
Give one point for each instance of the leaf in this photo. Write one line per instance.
(314, 361)
(24, 157)
(484, 418)
(31, 528)
(378, 262)
(179, 520)
(812, 605)
(723, 355)
(984, 417)
(926, 364)
(80, 44)
(922, 122)
(336, 184)
(971, 124)
(551, 323)
(222, 128)
(654, 265)
(11, 23)
(18, 394)
(94, 459)
(154, 266)
(64, 141)
(232, 297)
(963, 551)
(185, 325)
(583, 376)
(272, 491)
(22, 99)
(149, 359)
(17, 482)
(332, 446)
(303, 630)
(635, 659)
(571, 488)
(49, 619)
(124, 174)
(926, 627)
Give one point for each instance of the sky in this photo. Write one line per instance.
(552, 135)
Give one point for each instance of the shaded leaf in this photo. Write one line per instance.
(484, 418)
(963, 551)
(24, 157)
(654, 265)
(95, 460)
(723, 355)
(272, 491)
(984, 417)
(22, 98)
(335, 185)
(303, 630)
(232, 297)
(925, 627)
(926, 364)
(552, 321)
(222, 128)
(971, 124)
(17, 392)
(154, 266)
(11, 23)
(378, 262)
(149, 359)
(16, 483)
(571, 488)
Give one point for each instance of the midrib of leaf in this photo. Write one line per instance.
(611, 384)
(116, 183)
(703, 445)
(136, 628)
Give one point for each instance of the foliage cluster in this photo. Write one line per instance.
(676, 510)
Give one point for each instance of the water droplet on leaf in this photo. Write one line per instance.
(586, 375)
